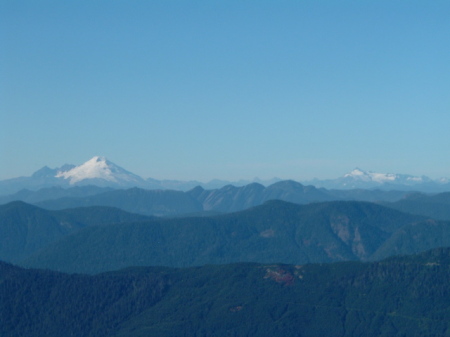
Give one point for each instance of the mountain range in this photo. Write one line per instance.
(101, 172)
(274, 232)
(277, 258)
(201, 202)
(196, 201)
(248, 259)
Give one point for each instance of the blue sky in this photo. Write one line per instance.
(226, 89)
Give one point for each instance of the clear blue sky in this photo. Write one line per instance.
(226, 89)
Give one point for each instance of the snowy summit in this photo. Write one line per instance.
(359, 174)
(98, 168)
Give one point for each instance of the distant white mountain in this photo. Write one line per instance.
(382, 178)
(358, 178)
(100, 169)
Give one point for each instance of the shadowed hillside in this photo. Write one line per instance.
(434, 206)
(271, 233)
(24, 228)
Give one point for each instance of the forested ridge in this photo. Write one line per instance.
(402, 296)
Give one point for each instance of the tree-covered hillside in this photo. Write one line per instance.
(271, 233)
(435, 206)
(404, 296)
(24, 229)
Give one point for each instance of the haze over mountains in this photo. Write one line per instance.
(199, 201)
(101, 172)
(99, 182)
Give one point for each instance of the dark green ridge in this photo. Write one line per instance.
(401, 296)
(24, 228)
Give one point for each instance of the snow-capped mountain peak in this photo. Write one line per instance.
(98, 168)
(358, 174)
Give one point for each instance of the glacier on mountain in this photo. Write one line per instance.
(360, 179)
(359, 174)
(98, 168)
